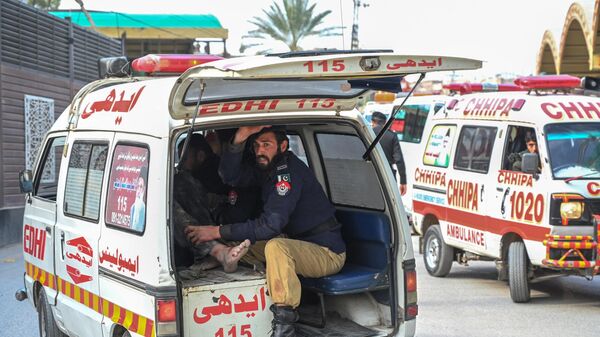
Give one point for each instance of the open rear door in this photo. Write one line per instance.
(273, 71)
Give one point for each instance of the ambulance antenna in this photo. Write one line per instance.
(191, 129)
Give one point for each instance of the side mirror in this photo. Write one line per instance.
(26, 181)
(530, 163)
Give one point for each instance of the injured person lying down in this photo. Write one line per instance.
(192, 205)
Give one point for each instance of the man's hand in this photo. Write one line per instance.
(199, 234)
(246, 131)
(403, 189)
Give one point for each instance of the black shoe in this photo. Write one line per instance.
(284, 318)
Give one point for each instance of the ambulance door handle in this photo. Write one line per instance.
(499, 189)
(62, 244)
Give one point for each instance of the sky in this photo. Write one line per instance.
(505, 34)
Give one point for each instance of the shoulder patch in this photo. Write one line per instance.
(283, 185)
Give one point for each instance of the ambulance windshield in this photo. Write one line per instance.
(574, 150)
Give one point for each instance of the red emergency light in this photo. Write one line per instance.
(467, 88)
(170, 63)
(548, 82)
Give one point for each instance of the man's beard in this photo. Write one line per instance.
(269, 163)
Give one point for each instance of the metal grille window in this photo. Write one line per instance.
(84, 180)
(39, 116)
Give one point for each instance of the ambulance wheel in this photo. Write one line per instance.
(46, 321)
(518, 267)
(437, 254)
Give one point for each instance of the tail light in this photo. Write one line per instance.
(411, 309)
(166, 315)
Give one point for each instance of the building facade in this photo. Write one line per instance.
(44, 61)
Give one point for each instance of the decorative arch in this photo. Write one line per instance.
(548, 58)
(595, 61)
(576, 43)
(578, 50)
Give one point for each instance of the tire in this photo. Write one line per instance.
(46, 320)
(437, 254)
(518, 268)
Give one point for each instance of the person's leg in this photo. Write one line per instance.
(285, 259)
(229, 256)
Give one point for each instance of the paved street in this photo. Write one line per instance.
(471, 302)
(17, 319)
(468, 302)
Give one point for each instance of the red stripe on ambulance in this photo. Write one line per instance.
(482, 222)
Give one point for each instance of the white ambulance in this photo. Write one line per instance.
(98, 232)
(513, 177)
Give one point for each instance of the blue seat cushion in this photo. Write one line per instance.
(351, 279)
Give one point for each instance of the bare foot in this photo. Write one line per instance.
(231, 255)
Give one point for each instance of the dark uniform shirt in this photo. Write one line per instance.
(391, 147)
(293, 201)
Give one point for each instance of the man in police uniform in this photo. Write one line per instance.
(295, 206)
(391, 147)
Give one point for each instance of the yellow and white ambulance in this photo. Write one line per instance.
(512, 177)
(98, 232)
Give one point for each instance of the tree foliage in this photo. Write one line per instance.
(289, 24)
(48, 5)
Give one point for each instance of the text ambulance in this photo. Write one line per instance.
(512, 177)
(98, 236)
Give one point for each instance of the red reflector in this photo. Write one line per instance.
(452, 104)
(170, 63)
(518, 104)
(411, 281)
(548, 82)
(412, 310)
(167, 310)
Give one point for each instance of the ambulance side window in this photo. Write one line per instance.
(410, 122)
(84, 180)
(515, 145)
(474, 150)
(439, 146)
(48, 171)
(352, 181)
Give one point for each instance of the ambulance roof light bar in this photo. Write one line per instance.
(170, 63)
(549, 82)
(467, 88)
